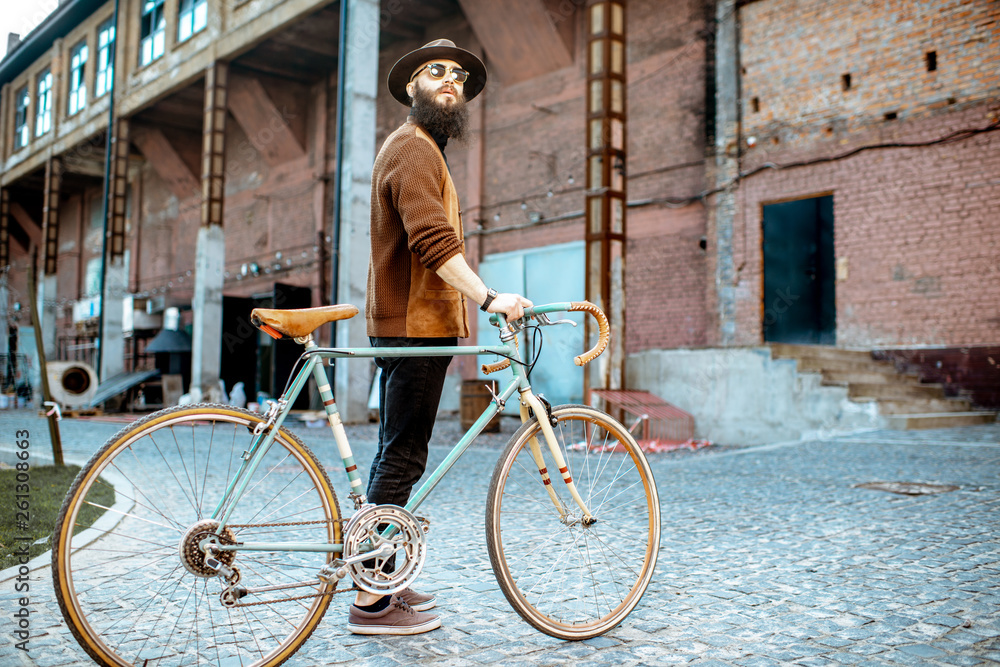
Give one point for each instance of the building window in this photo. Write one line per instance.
(21, 128)
(77, 87)
(193, 18)
(105, 78)
(154, 30)
(43, 115)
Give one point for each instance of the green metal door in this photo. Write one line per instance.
(544, 275)
(799, 300)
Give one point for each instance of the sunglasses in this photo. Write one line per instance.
(437, 70)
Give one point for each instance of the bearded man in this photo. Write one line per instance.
(418, 281)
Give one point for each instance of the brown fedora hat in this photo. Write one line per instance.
(443, 49)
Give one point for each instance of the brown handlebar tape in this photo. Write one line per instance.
(604, 336)
(604, 333)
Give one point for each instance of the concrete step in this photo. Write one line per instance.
(894, 391)
(815, 364)
(940, 420)
(904, 406)
(790, 351)
(866, 377)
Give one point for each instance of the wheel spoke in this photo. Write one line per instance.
(132, 585)
(566, 578)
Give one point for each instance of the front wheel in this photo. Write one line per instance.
(567, 577)
(136, 588)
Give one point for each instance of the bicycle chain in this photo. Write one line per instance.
(336, 522)
(299, 597)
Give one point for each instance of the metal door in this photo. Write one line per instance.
(239, 345)
(799, 301)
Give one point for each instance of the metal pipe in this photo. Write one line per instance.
(104, 202)
(338, 175)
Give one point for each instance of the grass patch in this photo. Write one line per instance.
(47, 486)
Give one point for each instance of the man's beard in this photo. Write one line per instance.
(450, 121)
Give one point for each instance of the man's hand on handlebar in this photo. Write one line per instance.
(511, 306)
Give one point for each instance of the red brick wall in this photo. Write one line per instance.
(666, 278)
(795, 53)
(534, 145)
(915, 227)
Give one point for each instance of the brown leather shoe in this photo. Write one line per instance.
(398, 618)
(419, 601)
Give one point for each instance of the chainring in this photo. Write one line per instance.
(370, 528)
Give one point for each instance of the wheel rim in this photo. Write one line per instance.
(568, 579)
(129, 596)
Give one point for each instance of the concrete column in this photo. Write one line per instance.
(722, 216)
(115, 273)
(4, 296)
(352, 378)
(206, 348)
(46, 304)
(4, 226)
(210, 252)
(113, 342)
(4, 255)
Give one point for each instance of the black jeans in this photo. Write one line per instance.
(409, 394)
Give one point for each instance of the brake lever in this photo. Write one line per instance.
(544, 319)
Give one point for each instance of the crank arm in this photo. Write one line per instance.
(338, 569)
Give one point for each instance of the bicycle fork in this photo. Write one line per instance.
(529, 400)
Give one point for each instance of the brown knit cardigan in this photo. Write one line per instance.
(416, 226)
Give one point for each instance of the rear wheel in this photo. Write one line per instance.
(569, 579)
(136, 587)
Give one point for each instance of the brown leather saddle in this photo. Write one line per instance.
(300, 321)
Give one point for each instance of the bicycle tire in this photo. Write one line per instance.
(566, 579)
(124, 590)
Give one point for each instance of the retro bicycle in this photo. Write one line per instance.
(222, 541)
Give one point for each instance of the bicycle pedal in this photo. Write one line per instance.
(332, 572)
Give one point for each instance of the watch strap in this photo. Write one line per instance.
(490, 295)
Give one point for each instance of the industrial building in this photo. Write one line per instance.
(786, 177)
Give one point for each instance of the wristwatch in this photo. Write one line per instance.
(490, 295)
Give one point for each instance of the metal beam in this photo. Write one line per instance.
(118, 190)
(4, 233)
(213, 165)
(606, 183)
(50, 215)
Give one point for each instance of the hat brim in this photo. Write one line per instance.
(401, 72)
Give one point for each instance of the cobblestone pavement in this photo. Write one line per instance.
(770, 555)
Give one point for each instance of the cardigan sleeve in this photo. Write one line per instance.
(414, 178)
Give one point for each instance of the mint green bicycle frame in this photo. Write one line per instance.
(314, 357)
